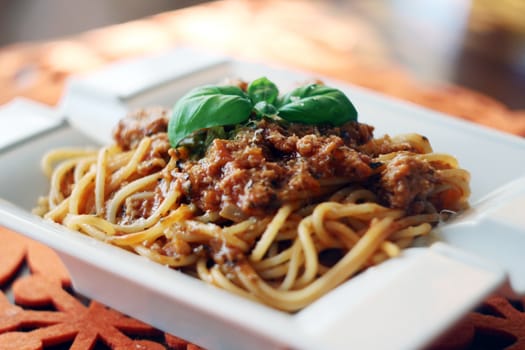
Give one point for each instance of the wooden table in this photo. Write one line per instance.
(338, 39)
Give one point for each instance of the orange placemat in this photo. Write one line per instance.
(40, 311)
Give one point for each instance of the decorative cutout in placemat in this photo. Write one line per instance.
(499, 323)
(44, 315)
(496, 324)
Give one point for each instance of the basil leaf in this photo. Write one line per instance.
(262, 90)
(317, 104)
(264, 109)
(206, 107)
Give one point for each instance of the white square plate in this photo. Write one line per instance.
(402, 304)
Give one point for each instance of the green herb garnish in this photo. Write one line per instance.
(197, 117)
(263, 89)
(317, 104)
(206, 107)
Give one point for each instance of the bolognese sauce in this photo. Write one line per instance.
(265, 165)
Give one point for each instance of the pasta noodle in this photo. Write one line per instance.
(286, 258)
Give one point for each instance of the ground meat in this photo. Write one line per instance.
(153, 123)
(329, 156)
(145, 122)
(264, 166)
(267, 164)
(405, 182)
(157, 156)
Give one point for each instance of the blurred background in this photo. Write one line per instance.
(478, 44)
(29, 20)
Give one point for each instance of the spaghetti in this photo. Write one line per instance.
(281, 214)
